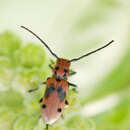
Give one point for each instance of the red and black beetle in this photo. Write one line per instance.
(54, 99)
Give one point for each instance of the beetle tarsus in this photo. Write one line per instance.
(42, 83)
(35, 89)
(32, 90)
(72, 73)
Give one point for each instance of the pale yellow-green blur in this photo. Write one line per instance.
(71, 28)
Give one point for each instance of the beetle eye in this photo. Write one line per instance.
(57, 67)
(65, 70)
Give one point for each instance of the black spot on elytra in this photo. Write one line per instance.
(44, 106)
(52, 87)
(49, 90)
(66, 102)
(59, 109)
(59, 89)
(61, 93)
(62, 97)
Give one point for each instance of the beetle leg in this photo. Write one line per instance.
(32, 90)
(42, 83)
(50, 66)
(35, 89)
(40, 100)
(72, 73)
(52, 63)
(73, 85)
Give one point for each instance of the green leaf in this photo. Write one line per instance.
(31, 56)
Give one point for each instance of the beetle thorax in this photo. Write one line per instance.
(61, 70)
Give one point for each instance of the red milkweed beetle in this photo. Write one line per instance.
(57, 86)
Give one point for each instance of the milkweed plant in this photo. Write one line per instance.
(23, 67)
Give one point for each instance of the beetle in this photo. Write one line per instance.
(57, 86)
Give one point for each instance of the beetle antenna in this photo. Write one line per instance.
(89, 53)
(41, 41)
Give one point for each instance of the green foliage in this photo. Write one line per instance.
(115, 81)
(116, 118)
(29, 52)
(98, 13)
(18, 66)
(18, 108)
(23, 67)
(9, 44)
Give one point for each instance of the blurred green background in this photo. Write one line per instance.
(71, 28)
